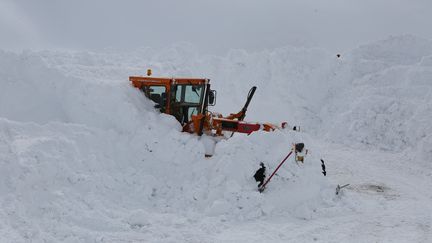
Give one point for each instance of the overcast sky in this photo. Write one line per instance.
(211, 26)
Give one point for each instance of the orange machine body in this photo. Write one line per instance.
(187, 99)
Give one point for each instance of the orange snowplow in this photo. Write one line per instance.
(188, 99)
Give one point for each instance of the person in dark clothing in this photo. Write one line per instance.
(323, 167)
(260, 174)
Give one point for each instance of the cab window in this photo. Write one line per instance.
(193, 94)
(189, 94)
(158, 95)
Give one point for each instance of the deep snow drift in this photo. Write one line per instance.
(85, 158)
(95, 156)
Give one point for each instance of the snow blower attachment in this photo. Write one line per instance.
(188, 99)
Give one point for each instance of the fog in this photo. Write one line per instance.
(210, 26)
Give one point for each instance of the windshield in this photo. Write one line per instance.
(190, 94)
(188, 101)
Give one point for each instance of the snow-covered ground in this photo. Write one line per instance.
(85, 158)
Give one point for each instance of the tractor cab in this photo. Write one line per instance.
(184, 98)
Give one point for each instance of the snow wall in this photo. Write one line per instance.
(83, 153)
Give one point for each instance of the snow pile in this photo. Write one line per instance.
(83, 157)
(73, 152)
(387, 102)
(296, 190)
(378, 95)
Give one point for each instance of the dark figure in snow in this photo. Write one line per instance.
(323, 167)
(300, 152)
(260, 174)
(299, 147)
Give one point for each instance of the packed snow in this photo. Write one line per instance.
(86, 158)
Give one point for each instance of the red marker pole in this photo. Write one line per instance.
(261, 189)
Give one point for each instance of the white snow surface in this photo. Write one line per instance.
(84, 157)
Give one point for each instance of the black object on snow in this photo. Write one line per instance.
(299, 147)
(323, 167)
(260, 174)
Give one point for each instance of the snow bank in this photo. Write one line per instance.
(84, 156)
(386, 103)
(378, 95)
(81, 157)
